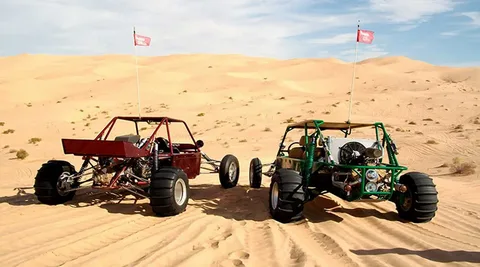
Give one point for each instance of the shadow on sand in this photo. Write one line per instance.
(238, 203)
(83, 198)
(437, 255)
(243, 203)
(324, 208)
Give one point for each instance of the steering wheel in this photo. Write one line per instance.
(164, 145)
(292, 145)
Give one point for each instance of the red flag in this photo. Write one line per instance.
(364, 36)
(140, 40)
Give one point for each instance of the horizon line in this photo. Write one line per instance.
(237, 54)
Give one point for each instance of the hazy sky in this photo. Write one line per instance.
(437, 31)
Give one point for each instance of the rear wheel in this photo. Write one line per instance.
(255, 173)
(229, 171)
(169, 191)
(287, 196)
(419, 203)
(51, 182)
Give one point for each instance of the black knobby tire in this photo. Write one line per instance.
(228, 163)
(46, 180)
(278, 164)
(422, 196)
(255, 173)
(291, 196)
(163, 194)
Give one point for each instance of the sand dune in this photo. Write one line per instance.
(51, 97)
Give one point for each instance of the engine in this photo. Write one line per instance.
(142, 168)
(102, 175)
(359, 152)
(106, 168)
(354, 151)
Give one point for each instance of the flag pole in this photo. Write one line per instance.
(136, 67)
(353, 76)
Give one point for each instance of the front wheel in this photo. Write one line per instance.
(419, 203)
(229, 171)
(51, 185)
(169, 191)
(287, 196)
(255, 173)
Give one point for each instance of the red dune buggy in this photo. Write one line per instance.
(154, 166)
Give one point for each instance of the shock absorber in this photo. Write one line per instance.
(155, 157)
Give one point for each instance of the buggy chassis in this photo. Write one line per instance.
(350, 168)
(151, 167)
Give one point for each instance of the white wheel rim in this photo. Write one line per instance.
(274, 196)
(250, 173)
(232, 171)
(180, 192)
(60, 184)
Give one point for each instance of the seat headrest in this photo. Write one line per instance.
(132, 138)
(303, 140)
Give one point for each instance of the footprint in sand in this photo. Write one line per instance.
(239, 255)
(197, 247)
(216, 241)
(226, 235)
(236, 257)
(237, 262)
(214, 244)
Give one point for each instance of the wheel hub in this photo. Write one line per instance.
(232, 171)
(274, 195)
(407, 201)
(63, 184)
(180, 191)
(250, 174)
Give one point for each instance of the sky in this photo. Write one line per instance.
(442, 32)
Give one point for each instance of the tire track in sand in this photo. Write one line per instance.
(459, 220)
(264, 242)
(193, 239)
(259, 241)
(41, 233)
(309, 242)
(444, 219)
(94, 242)
(292, 255)
(41, 242)
(458, 147)
(409, 236)
(46, 213)
(362, 229)
(436, 234)
(218, 249)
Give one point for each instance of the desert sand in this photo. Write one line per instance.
(431, 111)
